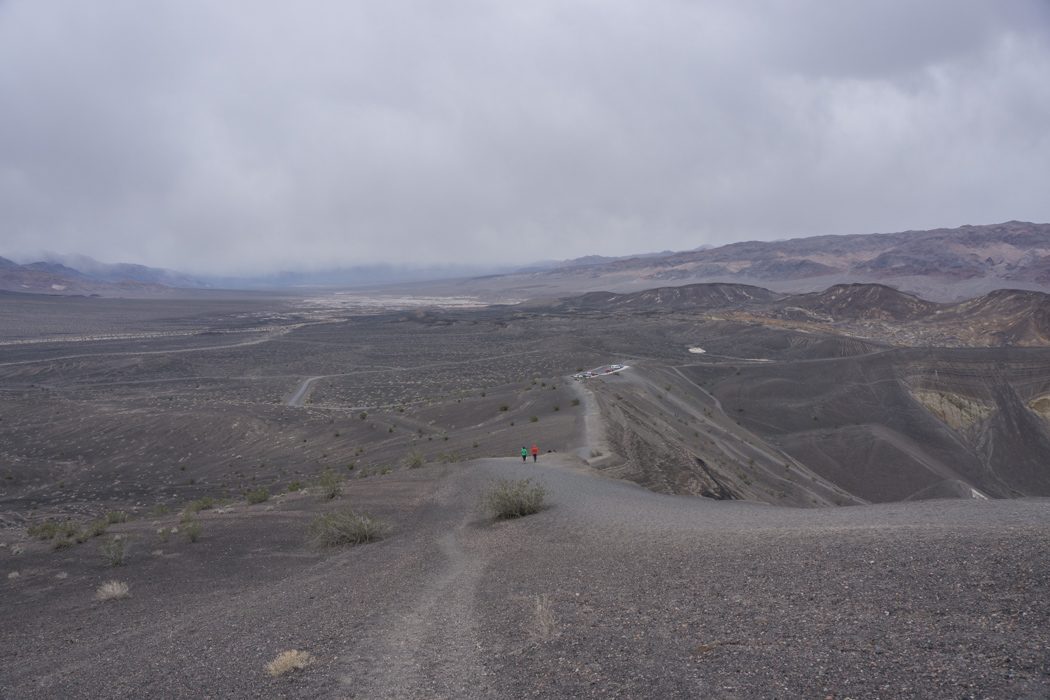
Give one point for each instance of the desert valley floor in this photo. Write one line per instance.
(771, 500)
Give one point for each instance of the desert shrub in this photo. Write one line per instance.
(557, 407)
(61, 543)
(544, 625)
(534, 419)
(504, 407)
(514, 499)
(415, 459)
(448, 458)
(288, 661)
(43, 531)
(363, 415)
(345, 527)
(200, 504)
(331, 484)
(192, 529)
(114, 550)
(159, 510)
(112, 590)
(575, 402)
(96, 528)
(259, 495)
(114, 517)
(295, 486)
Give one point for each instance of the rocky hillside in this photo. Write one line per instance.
(1005, 317)
(90, 277)
(940, 264)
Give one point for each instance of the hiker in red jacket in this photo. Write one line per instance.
(535, 452)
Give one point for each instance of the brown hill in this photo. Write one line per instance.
(685, 298)
(940, 264)
(859, 301)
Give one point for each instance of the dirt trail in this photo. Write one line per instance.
(301, 392)
(430, 648)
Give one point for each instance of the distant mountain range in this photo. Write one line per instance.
(81, 275)
(90, 276)
(941, 265)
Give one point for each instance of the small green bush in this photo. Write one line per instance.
(575, 402)
(192, 529)
(200, 504)
(259, 495)
(43, 531)
(114, 550)
(295, 486)
(534, 419)
(61, 543)
(345, 528)
(96, 528)
(415, 459)
(504, 407)
(514, 499)
(331, 484)
(114, 517)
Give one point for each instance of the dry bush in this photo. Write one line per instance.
(112, 590)
(197, 506)
(331, 483)
(544, 624)
(114, 550)
(192, 529)
(514, 499)
(345, 527)
(49, 529)
(96, 528)
(259, 495)
(415, 459)
(288, 661)
(114, 517)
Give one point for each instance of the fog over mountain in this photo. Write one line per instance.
(246, 138)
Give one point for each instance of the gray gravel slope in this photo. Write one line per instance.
(613, 591)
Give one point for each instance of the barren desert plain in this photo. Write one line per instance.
(833, 495)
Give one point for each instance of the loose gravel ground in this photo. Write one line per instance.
(612, 591)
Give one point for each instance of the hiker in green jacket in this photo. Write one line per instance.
(524, 453)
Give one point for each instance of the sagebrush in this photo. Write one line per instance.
(345, 528)
(112, 590)
(514, 499)
(288, 661)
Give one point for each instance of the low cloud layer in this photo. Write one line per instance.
(255, 136)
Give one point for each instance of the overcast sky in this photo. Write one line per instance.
(248, 136)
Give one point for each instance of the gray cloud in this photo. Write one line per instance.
(252, 136)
